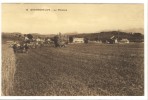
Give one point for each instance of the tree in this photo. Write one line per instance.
(56, 41)
(86, 40)
(70, 39)
(30, 36)
(137, 37)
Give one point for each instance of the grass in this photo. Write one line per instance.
(81, 70)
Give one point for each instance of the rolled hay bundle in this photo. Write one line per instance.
(8, 70)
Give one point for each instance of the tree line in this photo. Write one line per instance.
(132, 37)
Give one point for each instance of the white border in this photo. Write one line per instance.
(88, 97)
(145, 45)
(0, 52)
(74, 1)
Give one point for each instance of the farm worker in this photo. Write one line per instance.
(26, 47)
(14, 48)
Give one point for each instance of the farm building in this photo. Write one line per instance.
(124, 41)
(116, 41)
(78, 40)
(26, 38)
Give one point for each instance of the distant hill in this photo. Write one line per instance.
(71, 33)
(135, 30)
(42, 35)
(132, 36)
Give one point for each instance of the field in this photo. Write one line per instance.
(81, 70)
(8, 70)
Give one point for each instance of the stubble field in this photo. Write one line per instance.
(8, 70)
(81, 70)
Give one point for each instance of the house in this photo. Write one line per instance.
(116, 41)
(124, 41)
(78, 40)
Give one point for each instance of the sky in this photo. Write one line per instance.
(80, 18)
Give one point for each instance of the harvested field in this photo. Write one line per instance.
(8, 70)
(81, 70)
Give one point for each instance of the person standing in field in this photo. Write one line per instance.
(86, 40)
(26, 48)
(14, 46)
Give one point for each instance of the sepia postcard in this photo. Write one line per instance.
(73, 49)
